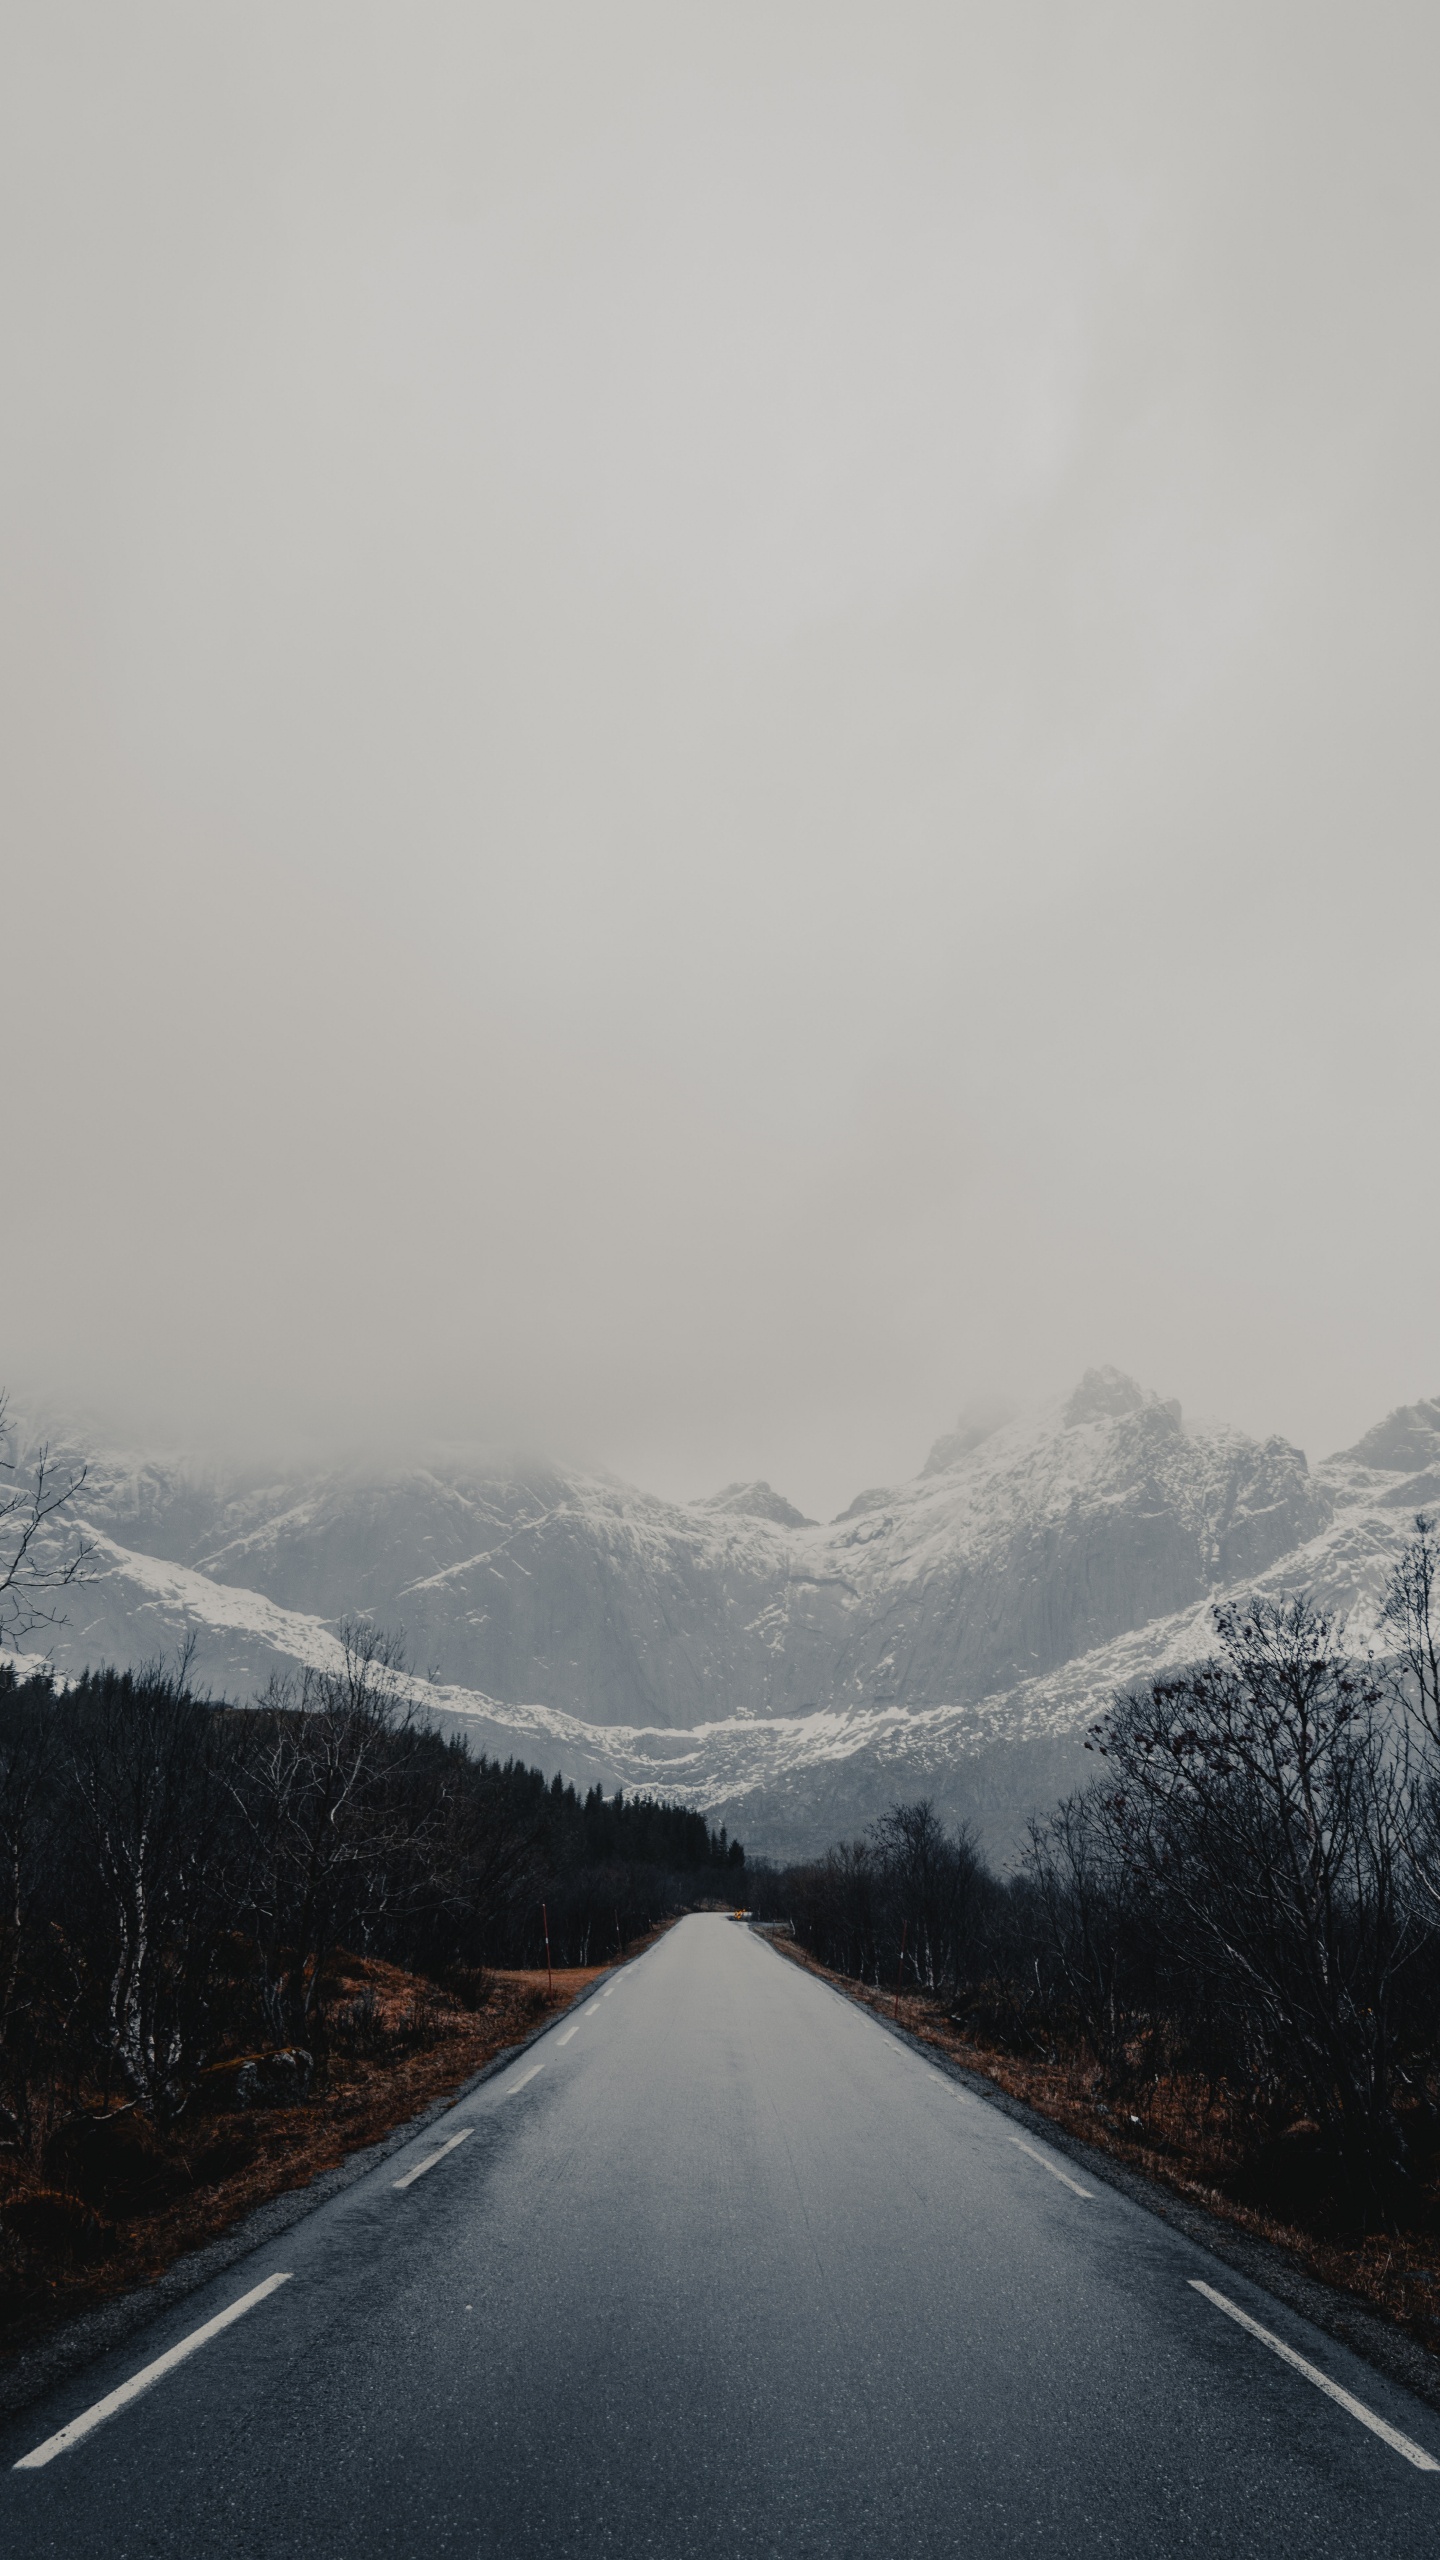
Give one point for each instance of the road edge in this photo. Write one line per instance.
(92, 2334)
(1276, 2270)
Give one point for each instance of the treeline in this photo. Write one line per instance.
(1244, 1906)
(179, 1879)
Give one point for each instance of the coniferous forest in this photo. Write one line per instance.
(1225, 1951)
(209, 1910)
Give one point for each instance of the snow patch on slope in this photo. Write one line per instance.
(991, 1605)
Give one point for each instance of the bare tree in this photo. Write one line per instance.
(36, 1562)
(837, 1907)
(1090, 1894)
(1411, 1617)
(1262, 1801)
(933, 1880)
(1412, 1611)
(319, 1801)
(147, 1769)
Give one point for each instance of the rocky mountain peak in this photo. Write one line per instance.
(757, 1501)
(1407, 1439)
(1107, 1395)
(981, 1418)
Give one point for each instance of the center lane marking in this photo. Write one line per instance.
(588, 2011)
(148, 2373)
(523, 2082)
(412, 2174)
(1072, 2183)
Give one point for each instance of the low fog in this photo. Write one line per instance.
(718, 722)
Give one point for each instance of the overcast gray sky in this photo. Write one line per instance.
(718, 721)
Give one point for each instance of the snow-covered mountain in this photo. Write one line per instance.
(958, 1631)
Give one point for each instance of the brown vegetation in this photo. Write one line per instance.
(116, 2198)
(1220, 1961)
(237, 1944)
(1197, 2140)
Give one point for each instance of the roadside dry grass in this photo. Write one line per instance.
(111, 2204)
(1186, 2138)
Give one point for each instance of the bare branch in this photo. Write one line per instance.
(36, 1562)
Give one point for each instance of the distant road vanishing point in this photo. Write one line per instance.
(721, 2268)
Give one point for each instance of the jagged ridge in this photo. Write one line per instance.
(729, 1648)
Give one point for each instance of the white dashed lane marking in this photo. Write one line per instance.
(412, 2174)
(524, 2080)
(1065, 2179)
(1332, 2390)
(148, 2374)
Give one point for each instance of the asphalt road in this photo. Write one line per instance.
(721, 2268)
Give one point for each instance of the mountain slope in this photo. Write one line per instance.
(958, 1631)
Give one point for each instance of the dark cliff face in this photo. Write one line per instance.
(1035, 1543)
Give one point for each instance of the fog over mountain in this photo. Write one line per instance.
(715, 723)
(716, 734)
(955, 1632)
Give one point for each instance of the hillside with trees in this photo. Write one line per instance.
(209, 1910)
